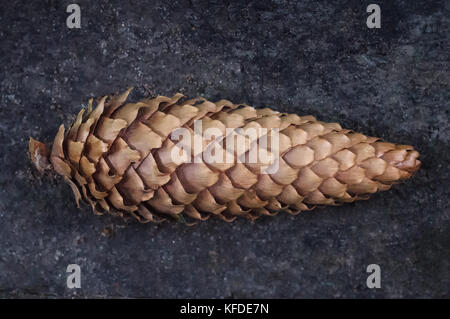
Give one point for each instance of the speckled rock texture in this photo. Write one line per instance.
(304, 57)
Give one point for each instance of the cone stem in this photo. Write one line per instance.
(39, 155)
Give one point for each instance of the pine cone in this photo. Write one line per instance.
(120, 159)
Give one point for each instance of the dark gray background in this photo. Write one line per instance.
(307, 57)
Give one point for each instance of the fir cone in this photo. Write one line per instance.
(119, 158)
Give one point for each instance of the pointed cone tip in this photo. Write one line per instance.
(411, 163)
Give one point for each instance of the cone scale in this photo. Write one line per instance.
(119, 158)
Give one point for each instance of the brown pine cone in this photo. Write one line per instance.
(120, 158)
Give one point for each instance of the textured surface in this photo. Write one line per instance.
(304, 58)
(233, 160)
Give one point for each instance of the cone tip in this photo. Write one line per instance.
(411, 162)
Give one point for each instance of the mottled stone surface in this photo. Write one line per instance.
(308, 57)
